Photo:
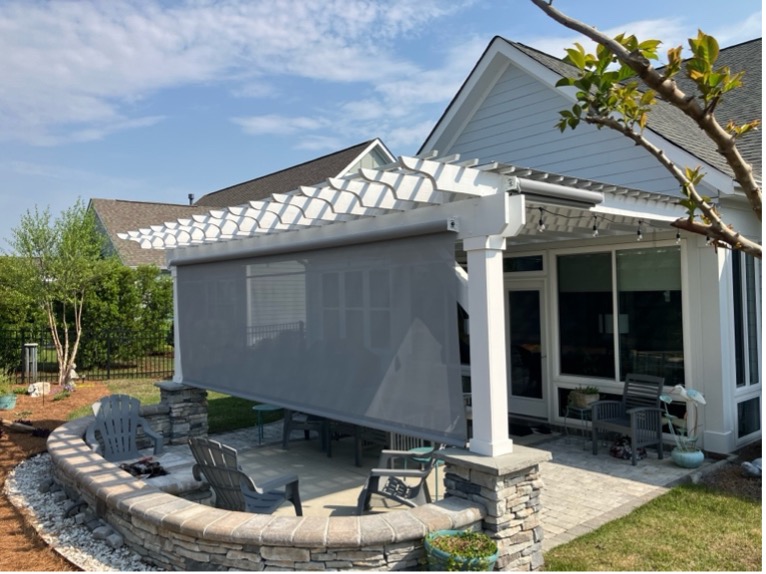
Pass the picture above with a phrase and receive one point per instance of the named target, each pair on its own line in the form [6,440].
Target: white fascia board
[468,99]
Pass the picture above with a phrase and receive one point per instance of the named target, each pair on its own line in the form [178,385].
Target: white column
[178,375]
[489,389]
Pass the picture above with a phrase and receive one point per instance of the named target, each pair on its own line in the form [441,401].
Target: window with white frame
[747,304]
[620,311]
[746,284]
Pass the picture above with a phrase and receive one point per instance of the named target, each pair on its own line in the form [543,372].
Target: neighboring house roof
[332,165]
[119,216]
[743,104]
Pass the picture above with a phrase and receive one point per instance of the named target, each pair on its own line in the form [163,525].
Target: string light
[597,219]
[708,240]
[678,238]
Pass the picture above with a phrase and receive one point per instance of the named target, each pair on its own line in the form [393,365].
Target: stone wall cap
[172,386]
[521,457]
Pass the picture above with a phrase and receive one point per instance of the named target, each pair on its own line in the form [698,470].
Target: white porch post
[489,390]
[178,375]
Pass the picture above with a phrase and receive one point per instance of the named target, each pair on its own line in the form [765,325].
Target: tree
[609,96]
[127,315]
[59,262]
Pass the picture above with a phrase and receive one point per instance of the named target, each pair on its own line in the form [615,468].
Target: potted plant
[583,397]
[7,396]
[685,430]
[460,551]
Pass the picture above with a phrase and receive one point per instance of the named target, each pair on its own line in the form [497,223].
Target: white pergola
[482,204]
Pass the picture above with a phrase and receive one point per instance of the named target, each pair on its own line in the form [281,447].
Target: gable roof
[118,215]
[335,164]
[665,120]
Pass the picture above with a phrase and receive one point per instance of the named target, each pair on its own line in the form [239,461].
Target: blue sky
[150,101]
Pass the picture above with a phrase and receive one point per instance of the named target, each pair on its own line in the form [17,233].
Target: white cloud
[672,31]
[749,28]
[278,125]
[79,69]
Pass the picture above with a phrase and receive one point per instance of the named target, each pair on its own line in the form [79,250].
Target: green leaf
[565,82]
[576,56]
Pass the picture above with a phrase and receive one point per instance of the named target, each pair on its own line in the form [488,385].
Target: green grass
[225,413]
[691,528]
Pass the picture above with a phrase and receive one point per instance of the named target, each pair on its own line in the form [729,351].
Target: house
[115,216]
[597,304]
[339,297]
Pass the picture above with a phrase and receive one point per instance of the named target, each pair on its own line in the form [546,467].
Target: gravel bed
[73,541]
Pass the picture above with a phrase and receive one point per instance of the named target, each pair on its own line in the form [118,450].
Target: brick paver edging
[178,534]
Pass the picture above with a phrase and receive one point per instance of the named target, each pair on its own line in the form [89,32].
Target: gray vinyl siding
[516,124]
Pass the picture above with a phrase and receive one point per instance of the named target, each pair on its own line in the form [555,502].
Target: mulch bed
[728,476]
[21,549]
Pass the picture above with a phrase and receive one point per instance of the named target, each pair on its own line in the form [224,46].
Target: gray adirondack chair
[389,480]
[235,490]
[637,415]
[114,432]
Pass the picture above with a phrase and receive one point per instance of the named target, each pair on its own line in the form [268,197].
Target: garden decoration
[684,430]
[460,551]
[754,468]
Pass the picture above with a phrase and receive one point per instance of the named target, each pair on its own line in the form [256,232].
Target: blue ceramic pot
[7,402]
[687,459]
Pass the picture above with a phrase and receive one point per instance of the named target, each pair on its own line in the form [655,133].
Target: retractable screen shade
[365,334]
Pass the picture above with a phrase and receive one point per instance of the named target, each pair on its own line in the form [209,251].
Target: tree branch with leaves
[617,87]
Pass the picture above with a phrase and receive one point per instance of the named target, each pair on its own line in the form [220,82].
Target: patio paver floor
[581,491]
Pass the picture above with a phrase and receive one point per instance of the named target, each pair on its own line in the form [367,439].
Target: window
[523,264]
[586,343]
[356,305]
[747,303]
[647,326]
[748,417]
[649,298]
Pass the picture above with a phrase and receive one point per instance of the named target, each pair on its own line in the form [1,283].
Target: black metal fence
[115,354]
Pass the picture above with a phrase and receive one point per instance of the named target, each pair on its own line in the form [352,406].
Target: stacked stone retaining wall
[179,534]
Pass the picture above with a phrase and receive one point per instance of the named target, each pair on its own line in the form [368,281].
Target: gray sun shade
[365,334]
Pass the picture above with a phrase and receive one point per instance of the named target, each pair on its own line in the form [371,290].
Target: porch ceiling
[412,183]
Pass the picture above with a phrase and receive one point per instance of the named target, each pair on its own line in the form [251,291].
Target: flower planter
[7,402]
[582,400]
[440,560]
[687,458]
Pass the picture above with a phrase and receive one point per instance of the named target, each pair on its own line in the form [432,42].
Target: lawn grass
[225,413]
[690,528]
